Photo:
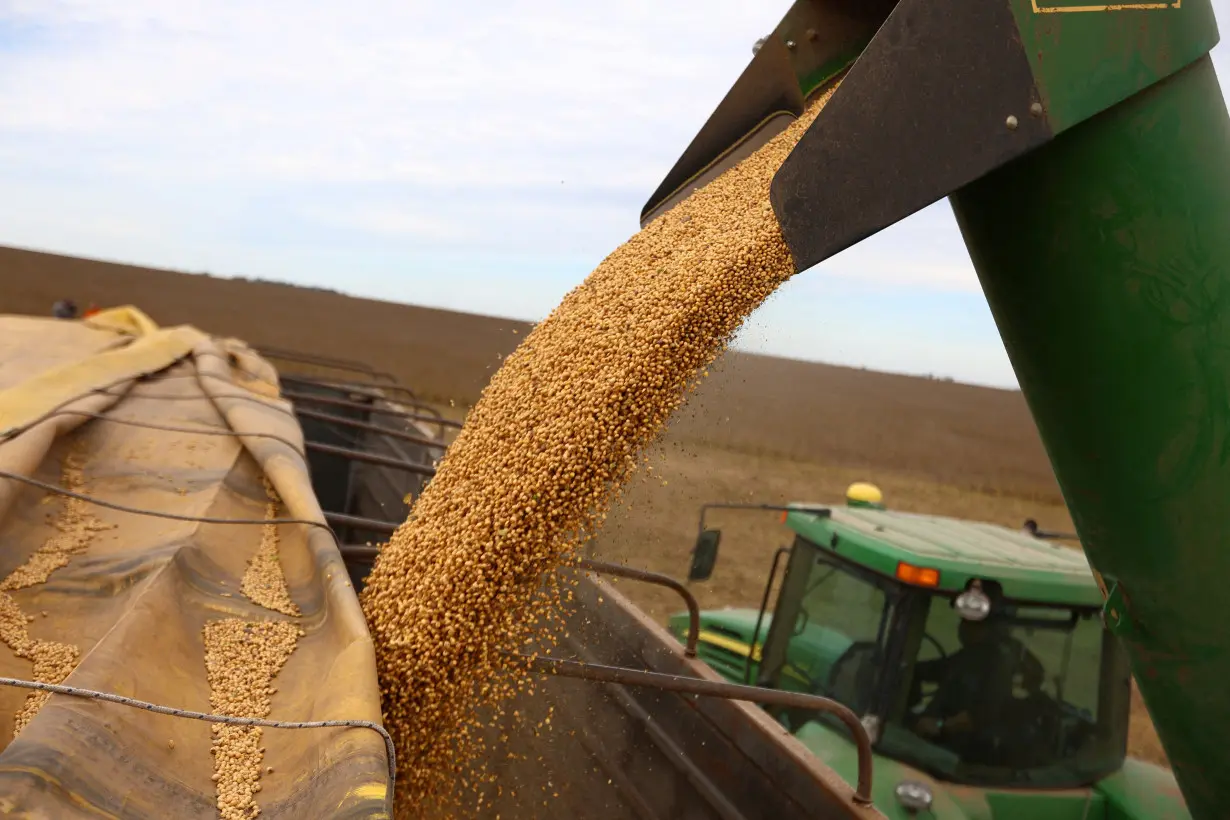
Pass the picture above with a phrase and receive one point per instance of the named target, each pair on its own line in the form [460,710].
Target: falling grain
[530,476]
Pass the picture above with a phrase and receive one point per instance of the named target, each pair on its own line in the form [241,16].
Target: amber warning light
[919,576]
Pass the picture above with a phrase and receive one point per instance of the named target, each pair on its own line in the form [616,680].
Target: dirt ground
[760,429]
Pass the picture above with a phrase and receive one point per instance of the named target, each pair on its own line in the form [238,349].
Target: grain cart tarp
[119,601]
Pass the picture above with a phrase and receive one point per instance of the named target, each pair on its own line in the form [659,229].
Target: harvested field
[759,428]
[957,435]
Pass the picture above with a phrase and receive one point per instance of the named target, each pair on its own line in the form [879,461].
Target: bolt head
[1011,122]
[1036,109]
[790,44]
[914,796]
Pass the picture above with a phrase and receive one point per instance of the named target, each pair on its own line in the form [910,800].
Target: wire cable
[171,428]
[104,390]
[91,694]
[199,519]
[203,397]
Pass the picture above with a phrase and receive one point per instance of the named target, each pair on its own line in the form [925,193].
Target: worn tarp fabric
[252,620]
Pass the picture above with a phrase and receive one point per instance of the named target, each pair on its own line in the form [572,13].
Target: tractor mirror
[704,555]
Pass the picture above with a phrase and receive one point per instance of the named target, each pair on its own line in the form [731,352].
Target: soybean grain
[530,476]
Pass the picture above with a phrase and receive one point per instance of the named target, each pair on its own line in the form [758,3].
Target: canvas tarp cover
[128,596]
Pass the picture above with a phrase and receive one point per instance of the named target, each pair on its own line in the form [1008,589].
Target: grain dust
[530,476]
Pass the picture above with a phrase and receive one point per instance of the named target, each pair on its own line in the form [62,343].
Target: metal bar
[370,458]
[359,522]
[719,689]
[366,553]
[363,553]
[367,390]
[375,428]
[348,383]
[764,604]
[704,508]
[660,580]
[371,408]
[322,361]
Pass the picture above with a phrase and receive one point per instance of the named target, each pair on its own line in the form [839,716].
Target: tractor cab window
[1033,694]
[835,645]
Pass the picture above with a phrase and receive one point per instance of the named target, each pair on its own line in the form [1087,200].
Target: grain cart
[175,513]
[974,654]
[642,727]
[1085,150]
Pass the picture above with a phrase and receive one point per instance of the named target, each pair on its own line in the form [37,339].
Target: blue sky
[481,157]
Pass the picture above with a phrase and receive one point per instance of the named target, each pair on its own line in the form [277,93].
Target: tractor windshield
[829,633]
[838,637]
[1033,695]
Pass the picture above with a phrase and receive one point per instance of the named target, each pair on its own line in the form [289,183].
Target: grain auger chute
[1086,152]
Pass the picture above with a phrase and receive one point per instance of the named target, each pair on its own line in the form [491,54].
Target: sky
[482,157]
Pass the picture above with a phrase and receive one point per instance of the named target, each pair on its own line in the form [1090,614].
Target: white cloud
[423,93]
[388,220]
[231,136]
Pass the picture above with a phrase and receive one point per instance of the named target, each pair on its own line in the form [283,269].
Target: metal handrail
[365,553]
[355,551]
[346,384]
[661,580]
[342,421]
[299,356]
[704,508]
[370,458]
[720,689]
[296,396]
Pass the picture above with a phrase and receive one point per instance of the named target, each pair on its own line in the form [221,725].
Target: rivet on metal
[1036,109]
[1011,122]
[790,44]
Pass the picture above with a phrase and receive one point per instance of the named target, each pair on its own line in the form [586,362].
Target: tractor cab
[975,656]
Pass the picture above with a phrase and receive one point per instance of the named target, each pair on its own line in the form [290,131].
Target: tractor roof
[1029,569]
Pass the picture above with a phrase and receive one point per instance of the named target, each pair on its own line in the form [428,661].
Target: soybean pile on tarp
[557,429]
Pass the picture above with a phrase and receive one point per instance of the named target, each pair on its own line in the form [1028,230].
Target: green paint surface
[1105,257]
[1085,61]
[1029,569]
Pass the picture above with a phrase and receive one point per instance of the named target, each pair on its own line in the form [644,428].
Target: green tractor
[975,655]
